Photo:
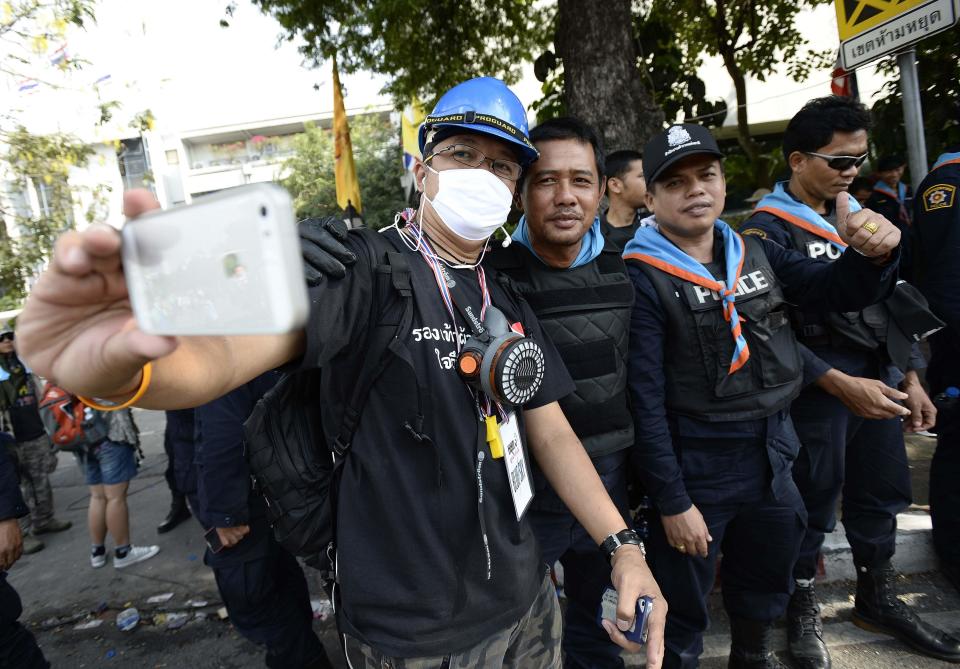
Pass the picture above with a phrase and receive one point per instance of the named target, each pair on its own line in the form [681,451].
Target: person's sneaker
[31,544]
[53,526]
[98,557]
[134,555]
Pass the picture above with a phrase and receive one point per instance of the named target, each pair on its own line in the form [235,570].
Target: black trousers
[864,459]
[944,371]
[269,603]
[18,647]
[586,573]
[757,530]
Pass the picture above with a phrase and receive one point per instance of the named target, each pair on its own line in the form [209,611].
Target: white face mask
[473,203]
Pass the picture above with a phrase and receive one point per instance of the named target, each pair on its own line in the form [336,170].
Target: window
[134,164]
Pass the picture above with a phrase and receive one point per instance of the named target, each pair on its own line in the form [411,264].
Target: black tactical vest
[861,329]
[586,313]
[699,345]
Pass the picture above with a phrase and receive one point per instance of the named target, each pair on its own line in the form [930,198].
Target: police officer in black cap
[713,368]
[937,244]
[848,423]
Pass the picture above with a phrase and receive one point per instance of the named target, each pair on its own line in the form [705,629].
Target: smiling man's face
[561,193]
[689,196]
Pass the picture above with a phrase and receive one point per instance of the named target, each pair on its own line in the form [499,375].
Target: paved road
[60,591]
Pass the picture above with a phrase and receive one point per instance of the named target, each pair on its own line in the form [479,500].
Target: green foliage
[28,28]
[376,154]
[757,35]
[41,163]
[753,38]
[424,46]
[672,65]
[668,66]
[938,69]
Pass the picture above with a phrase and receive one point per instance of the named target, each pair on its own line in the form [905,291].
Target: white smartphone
[228,264]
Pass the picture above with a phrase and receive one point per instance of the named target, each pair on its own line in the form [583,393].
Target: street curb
[914,554]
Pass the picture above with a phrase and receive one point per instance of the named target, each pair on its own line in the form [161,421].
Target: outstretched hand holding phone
[77,326]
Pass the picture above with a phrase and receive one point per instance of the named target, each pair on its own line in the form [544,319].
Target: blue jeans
[586,573]
[110,463]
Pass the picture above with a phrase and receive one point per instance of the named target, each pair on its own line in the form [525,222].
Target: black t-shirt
[620,236]
[411,558]
[18,397]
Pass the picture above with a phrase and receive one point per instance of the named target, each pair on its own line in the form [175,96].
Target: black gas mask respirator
[504,364]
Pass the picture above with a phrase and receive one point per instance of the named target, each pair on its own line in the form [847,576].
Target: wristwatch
[613,542]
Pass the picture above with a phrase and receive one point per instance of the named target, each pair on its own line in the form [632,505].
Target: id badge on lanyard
[514,459]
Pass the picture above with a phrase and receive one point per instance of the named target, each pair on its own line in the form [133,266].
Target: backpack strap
[379,339]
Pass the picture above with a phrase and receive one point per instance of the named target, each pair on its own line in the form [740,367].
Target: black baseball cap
[676,142]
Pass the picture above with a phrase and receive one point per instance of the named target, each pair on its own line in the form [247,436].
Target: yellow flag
[410,121]
[348,188]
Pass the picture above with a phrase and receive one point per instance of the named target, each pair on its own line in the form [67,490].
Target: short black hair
[569,127]
[890,162]
[813,126]
[860,183]
[619,162]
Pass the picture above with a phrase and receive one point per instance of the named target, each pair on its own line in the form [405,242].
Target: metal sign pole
[912,116]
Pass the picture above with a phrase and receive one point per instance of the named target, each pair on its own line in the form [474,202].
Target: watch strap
[614,541]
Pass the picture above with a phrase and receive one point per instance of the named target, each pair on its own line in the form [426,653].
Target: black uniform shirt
[411,559]
[11,501]
[848,284]
[620,236]
[936,215]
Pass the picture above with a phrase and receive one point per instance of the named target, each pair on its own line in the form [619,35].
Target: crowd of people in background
[707,397]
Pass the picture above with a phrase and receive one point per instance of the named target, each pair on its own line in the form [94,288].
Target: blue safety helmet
[484,105]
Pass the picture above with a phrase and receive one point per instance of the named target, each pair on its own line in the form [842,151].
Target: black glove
[322,245]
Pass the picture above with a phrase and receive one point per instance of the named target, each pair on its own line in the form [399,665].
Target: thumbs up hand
[867,231]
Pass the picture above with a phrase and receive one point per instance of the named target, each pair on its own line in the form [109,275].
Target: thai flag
[59,56]
[843,82]
[27,86]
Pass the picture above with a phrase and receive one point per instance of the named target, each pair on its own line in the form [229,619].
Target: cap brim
[678,157]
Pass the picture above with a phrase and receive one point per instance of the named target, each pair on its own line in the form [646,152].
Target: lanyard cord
[485,406]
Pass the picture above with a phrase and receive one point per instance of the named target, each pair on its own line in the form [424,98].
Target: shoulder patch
[939,196]
[756,232]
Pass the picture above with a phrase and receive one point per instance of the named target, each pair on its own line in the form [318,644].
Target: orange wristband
[141,391]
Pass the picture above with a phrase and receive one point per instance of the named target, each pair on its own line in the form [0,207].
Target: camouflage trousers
[35,459]
[533,642]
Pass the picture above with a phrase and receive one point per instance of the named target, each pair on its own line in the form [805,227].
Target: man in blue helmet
[436,561]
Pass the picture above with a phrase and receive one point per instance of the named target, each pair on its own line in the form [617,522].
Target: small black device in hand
[213,540]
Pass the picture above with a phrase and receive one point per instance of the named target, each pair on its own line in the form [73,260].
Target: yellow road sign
[856,16]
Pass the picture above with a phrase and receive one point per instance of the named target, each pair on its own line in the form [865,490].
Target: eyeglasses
[6,336]
[471,157]
[840,163]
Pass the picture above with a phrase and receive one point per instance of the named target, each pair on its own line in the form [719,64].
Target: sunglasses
[840,163]
[6,336]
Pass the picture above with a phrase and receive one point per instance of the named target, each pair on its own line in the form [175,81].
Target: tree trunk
[602,84]
[761,172]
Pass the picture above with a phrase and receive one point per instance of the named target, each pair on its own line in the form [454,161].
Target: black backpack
[293,467]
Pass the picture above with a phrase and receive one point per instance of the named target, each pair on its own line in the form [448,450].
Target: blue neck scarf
[944,158]
[900,195]
[651,247]
[590,246]
[783,205]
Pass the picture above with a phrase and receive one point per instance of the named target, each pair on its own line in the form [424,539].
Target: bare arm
[573,476]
